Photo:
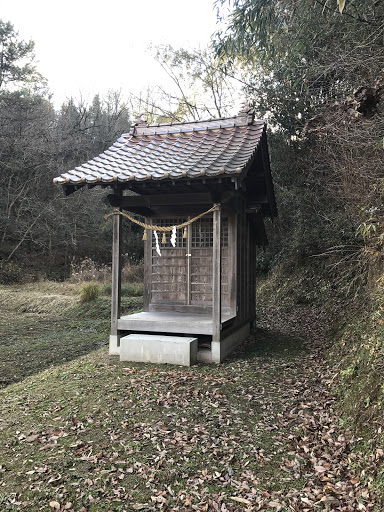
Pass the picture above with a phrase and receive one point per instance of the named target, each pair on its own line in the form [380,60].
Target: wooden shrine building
[199,288]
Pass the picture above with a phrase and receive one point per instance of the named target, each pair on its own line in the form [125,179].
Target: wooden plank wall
[216,274]
[169,276]
[147,267]
[252,272]
[201,276]
[245,271]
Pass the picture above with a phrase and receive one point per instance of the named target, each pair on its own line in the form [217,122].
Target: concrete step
[155,348]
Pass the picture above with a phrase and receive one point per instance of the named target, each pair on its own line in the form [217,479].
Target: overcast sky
[85,46]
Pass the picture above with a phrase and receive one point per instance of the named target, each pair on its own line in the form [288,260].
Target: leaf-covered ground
[258,432]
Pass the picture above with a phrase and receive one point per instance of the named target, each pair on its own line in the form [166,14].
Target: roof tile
[174,151]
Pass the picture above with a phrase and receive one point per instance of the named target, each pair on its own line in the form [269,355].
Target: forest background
[313,69]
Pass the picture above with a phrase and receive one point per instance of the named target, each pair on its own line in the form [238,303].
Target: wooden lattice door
[169,272]
[201,274]
[182,276]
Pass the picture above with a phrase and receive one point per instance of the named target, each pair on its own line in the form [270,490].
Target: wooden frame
[237,266]
[116,273]
[216,270]
[190,254]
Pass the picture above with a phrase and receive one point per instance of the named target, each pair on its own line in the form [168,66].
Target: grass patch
[359,350]
[45,325]
[274,344]
[127,289]
[31,343]
[89,291]
[39,298]
[101,307]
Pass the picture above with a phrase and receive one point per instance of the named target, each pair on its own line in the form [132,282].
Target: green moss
[359,348]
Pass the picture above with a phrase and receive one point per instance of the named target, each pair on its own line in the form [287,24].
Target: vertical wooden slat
[147,267]
[232,262]
[189,261]
[253,281]
[246,261]
[249,270]
[240,274]
[238,260]
[116,272]
[216,269]
[243,260]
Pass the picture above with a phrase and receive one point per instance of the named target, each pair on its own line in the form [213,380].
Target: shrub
[89,291]
[132,290]
[106,289]
[10,273]
[133,273]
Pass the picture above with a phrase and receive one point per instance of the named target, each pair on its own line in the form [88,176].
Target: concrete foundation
[221,349]
[114,345]
[152,348]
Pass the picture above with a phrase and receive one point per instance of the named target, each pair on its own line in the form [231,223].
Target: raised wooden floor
[169,322]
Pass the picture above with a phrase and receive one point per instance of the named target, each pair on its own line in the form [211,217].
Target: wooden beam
[116,273]
[258,227]
[268,177]
[127,202]
[169,211]
[216,282]
[141,210]
[215,192]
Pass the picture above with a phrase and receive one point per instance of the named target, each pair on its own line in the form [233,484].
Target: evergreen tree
[16,58]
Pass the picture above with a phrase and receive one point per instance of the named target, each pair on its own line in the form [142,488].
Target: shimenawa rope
[215,207]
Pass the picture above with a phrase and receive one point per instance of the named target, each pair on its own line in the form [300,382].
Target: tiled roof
[174,151]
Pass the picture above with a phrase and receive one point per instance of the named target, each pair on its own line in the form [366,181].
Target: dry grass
[89,291]
[44,297]
[44,324]
[50,297]
[87,271]
[133,273]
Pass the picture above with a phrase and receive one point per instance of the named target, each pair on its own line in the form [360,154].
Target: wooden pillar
[232,262]
[216,282]
[148,265]
[189,262]
[114,340]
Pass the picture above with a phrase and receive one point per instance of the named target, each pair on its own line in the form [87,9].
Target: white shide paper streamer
[173,236]
[157,242]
